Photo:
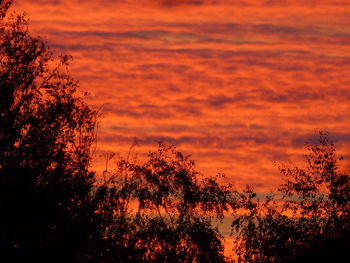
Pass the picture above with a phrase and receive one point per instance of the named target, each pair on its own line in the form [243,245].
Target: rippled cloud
[239,85]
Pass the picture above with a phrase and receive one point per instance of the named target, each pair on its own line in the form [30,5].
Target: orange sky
[239,85]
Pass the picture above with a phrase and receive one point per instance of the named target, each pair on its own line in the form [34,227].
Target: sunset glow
[238,85]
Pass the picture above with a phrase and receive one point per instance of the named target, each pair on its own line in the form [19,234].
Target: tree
[46,131]
[310,217]
[54,208]
[163,212]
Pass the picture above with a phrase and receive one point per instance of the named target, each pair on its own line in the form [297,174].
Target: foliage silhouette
[54,209]
[46,131]
[307,222]
[167,213]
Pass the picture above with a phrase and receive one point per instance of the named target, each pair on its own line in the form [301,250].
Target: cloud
[311,138]
[151,111]
[237,84]
[180,3]
[196,141]
[47,2]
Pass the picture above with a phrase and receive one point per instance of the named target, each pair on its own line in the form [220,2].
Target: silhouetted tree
[53,208]
[47,210]
[308,222]
[167,214]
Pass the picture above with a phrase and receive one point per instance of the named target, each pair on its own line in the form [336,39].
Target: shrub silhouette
[308,222]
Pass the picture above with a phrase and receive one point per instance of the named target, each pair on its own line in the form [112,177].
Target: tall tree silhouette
[308,222]
[54,209]
[47,211]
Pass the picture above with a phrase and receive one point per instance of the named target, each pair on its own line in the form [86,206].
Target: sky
[241,86]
